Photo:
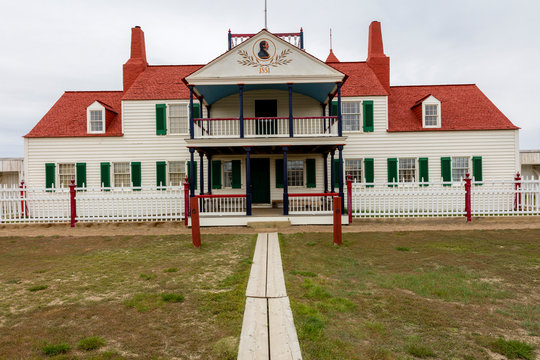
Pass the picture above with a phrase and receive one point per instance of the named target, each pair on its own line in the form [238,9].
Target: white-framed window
[121,174]
[178,119]
[177,172]
[295,172]
[460,167]
[406,169]
[95,117]
[66,172]
[351,115]
[353,167]
[431,111]
[227,174]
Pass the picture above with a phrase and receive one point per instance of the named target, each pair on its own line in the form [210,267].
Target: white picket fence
[40,205]
[432,199]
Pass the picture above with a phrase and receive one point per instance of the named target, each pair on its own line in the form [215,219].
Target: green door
[260,181]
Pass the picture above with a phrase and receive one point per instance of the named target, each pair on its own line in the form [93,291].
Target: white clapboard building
[268,121]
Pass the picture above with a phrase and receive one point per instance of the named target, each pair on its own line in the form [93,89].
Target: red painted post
[72,194]
[24,208]
[337,220]
[186,201]
[517,196]
[195,225]
[468,197]
[349,197]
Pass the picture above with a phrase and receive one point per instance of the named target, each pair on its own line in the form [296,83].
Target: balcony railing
[212,128]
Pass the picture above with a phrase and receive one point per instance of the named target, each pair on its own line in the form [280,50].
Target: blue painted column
[301,38]
[241,94]
[332,172]
[191,125]
[291,127]
[340,123]
[285,182]
[209,158]
[201,181]
[340,149]
[324,119]
[192,172]
[325,162]
[248,182]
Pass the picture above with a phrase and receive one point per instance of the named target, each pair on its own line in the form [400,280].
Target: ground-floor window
[227,174]
[177,173]
[407,169]
[121,174]
[353,167]
[295,172]
[66,172]
[460,167]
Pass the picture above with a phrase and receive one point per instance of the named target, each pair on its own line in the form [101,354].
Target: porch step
[269,224]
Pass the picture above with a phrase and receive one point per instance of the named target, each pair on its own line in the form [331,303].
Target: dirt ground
[358,225]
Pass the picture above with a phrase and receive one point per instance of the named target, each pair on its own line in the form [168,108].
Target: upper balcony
[264,127]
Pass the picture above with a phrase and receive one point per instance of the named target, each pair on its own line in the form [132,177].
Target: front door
[265,109]
[260,181]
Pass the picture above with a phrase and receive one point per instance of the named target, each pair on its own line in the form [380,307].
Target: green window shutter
[216,174]
[279,173]
[423,170]
[477,169]
[368,115]
[392,170]
[189,172]
[369,171]
[81,175]
[161,173]
[334,108]
[50,174]
[161,119]
[336,173]
[196,110]
[136,174]
[446,169]
[311,174]
[236,174]
[105,174]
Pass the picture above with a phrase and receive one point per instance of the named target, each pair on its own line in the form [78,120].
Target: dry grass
[450,295]
[62,290]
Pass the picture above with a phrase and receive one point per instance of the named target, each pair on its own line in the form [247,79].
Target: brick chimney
[377,61]
[137,62]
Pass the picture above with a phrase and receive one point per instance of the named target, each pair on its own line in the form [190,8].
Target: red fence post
[517,188]
[24,207]
[195,226]
[337,220]
[186,201]
[72,194]
[349,197]
[468,197]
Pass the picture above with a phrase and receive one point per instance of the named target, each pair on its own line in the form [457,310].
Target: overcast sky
[52,46]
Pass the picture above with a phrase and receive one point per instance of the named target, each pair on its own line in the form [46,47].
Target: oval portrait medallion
[264,49]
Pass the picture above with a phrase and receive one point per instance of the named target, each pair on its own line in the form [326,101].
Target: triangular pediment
[264,59]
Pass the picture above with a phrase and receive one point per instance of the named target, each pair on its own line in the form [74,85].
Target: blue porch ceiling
[213,93]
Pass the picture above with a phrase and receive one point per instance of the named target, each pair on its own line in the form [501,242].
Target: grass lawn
[409,295]
[122,297]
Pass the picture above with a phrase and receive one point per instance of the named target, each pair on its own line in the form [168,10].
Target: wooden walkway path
[268,330]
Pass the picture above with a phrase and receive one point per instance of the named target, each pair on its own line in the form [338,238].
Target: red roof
[362,80]
[331,57]
[161,82]
[463,107]
[67,118]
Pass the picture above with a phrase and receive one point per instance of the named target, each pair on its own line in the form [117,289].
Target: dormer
[428,110]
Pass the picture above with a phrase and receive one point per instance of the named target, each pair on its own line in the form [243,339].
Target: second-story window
[432,115]
[350,115]
[178,119]
[96,121]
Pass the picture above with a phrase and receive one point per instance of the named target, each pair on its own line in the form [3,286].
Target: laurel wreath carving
[249,60]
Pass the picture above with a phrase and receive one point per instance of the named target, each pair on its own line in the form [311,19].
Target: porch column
[340,124]
[191,172]
[340,149]
[324,118]
[201,172]
[248,182]
[241,94]
[285,182]
[208,123]
[191,127]
[325,162]
[291,127]
[209,158]
[332,172]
